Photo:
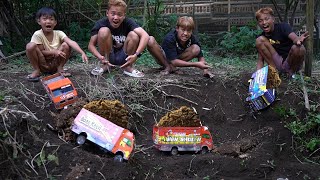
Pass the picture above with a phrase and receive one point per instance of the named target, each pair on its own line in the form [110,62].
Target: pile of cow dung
[273,80]
[113,111]
[182,117]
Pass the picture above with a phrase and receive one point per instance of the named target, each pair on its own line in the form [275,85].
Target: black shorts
[118,57]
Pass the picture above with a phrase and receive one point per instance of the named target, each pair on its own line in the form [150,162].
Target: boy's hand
[130,60]
[203,65]
[58,53]
[84,58]
[302,38]
[104,61]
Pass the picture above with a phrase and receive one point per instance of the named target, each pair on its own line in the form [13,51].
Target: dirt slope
[248,146]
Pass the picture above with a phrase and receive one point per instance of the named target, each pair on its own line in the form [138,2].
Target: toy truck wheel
[81,139]
[174,151]
[118,158]
[204,150]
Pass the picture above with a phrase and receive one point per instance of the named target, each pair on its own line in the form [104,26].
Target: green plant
[240,40]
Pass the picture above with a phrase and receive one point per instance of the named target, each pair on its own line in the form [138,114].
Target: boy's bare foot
[165,72]
[34,74]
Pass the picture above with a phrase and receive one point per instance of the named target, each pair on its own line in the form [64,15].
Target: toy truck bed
[176,139]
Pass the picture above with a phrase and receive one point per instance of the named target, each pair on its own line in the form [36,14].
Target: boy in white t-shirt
[49,49]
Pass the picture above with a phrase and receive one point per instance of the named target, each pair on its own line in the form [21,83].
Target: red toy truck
[177,139]
[104,133]
[60,90]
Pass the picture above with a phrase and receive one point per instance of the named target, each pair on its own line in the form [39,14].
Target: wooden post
[310,28]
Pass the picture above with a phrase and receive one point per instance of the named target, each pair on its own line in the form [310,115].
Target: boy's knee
[297,50]
[104,32]
[133,36]
[195,49]
[65,46]
[261,40]
[152,42]
[31,46]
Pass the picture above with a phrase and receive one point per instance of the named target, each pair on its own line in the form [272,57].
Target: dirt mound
[182,117]
[113,111]
[273,78]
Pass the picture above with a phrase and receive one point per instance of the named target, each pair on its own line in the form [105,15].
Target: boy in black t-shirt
[120,40]
[278,45]
[178,48]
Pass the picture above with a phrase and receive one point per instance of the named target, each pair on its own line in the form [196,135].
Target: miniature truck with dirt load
[115,139]
[181,130]
[60,90]
[175,139]
[262,86]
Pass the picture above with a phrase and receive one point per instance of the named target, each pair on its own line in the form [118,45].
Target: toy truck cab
[175,139]
[60,90]
[104,133]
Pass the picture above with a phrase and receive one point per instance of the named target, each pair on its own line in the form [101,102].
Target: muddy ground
[248,146]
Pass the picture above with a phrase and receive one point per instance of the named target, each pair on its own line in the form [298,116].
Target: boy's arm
[182,63]
[144,38]
[50,54]
[76,47]
[92,48]
[298,40]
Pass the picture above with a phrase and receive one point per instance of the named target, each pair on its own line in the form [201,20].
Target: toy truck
[60,90]
[175,139]
[113,138]
[259,96]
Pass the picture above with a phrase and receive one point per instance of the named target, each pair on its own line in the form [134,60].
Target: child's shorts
[49,65]
[118,57]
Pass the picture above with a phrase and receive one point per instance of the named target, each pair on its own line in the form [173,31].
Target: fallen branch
[305,93]
[13,55]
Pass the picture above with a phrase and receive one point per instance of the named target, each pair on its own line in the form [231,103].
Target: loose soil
[248,145]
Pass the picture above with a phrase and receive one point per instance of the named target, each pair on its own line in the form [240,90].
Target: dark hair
[46,11]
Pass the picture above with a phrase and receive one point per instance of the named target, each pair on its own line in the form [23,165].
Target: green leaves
[240,40]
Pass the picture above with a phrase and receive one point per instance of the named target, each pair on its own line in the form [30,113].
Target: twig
[32,167]
[298,159]
[183,87]
[177,96]
[14,55]
[17,111]
[29,111]
[102,175]
[143,149]
[314,152]
[305,93]
[190,165]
